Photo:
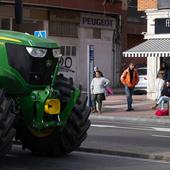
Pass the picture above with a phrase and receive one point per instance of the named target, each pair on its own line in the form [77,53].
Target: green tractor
[38,106]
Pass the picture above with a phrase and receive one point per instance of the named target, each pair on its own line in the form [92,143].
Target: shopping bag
[162,112]
[109,91]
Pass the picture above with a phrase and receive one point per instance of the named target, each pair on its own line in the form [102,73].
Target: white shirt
[159,87]
[98,85]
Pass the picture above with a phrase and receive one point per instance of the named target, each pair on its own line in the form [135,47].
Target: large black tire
[60,142]
[7,117]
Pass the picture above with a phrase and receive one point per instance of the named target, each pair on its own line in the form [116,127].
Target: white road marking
[124,105]
[132,128]
[161,136]
[103,126]
[119,127]
[161,129]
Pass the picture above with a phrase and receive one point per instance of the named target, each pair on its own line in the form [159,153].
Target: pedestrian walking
[129,79]
[165,96]
[98,86]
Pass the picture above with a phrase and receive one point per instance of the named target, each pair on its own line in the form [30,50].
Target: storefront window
[166,60]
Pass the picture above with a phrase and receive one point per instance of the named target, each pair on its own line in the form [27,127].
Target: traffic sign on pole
[90,67]
[40,34]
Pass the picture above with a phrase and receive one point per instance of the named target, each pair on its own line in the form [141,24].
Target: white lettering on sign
[97,21]
[167,22]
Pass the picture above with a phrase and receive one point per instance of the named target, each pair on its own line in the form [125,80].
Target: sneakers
[155,106]
[96,111]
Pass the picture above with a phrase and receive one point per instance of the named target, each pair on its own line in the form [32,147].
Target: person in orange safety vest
[130,79]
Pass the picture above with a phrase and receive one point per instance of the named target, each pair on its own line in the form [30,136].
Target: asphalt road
[22,160]
[129,137]
[103,135]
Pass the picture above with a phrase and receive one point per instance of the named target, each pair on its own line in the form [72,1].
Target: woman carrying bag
[98,86]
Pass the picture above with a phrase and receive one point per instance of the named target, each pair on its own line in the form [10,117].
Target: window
[73,52]
[63,29]
[68,50]
[5,24]
[97,33]
[63,50]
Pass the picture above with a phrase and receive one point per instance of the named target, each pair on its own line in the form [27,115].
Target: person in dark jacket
[165,95]
[164,71]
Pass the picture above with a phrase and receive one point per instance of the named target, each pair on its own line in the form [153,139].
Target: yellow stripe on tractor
[9,39]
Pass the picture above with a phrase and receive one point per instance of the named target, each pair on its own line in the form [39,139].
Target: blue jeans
[162,100]
[129,93]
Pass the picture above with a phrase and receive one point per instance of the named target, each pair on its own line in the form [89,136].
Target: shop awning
[150,48]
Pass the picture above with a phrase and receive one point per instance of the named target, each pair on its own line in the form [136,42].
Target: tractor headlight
[36,52]
[56,53]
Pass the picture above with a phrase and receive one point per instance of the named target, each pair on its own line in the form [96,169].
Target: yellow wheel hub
[52,106]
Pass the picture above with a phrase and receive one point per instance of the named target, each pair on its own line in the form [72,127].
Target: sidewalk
[114,108]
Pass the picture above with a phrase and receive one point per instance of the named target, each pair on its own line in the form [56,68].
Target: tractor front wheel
[60,142]
[7,117]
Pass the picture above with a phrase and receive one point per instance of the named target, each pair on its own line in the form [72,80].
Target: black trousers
[98,98]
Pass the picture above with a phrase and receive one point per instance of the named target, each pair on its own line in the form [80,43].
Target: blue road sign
[91,52]
[41,34]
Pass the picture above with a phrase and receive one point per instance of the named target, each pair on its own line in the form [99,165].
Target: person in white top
[159,86]
[98,86]
[160,82]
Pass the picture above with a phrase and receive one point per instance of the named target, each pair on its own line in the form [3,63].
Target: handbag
[162,112]
[109,90]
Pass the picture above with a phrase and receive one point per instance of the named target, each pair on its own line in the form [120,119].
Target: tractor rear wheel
[60,142]
[7,117]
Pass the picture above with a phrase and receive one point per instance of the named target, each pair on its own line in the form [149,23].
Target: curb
[130,119]
[158,157]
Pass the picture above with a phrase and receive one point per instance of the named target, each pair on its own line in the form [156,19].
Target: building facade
[136,25]
[75,25]
[156,48]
